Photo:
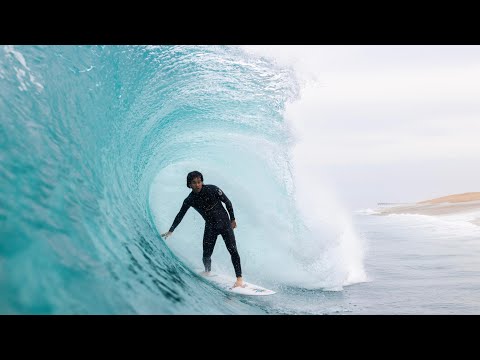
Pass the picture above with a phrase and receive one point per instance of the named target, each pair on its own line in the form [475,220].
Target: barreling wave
[96,142]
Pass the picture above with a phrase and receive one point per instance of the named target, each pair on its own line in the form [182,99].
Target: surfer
[206,199]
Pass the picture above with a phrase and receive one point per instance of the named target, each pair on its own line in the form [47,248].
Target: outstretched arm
[178,218]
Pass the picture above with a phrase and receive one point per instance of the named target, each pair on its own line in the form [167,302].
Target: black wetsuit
[208,203]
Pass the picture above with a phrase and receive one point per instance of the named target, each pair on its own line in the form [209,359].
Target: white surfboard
[226,283]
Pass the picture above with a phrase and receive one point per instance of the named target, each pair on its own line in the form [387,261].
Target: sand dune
[470,196]
[446,205]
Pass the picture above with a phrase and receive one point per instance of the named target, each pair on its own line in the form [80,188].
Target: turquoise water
[95,145]
[84,132]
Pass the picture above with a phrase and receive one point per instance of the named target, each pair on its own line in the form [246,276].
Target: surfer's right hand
[167,234]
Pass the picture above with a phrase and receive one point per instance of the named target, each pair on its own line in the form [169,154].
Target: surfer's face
[196,184]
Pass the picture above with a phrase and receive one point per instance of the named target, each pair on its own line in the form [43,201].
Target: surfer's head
[195,181]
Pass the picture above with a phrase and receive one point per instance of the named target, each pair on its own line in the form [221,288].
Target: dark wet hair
[192,175]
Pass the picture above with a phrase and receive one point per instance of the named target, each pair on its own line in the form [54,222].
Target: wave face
[96,142]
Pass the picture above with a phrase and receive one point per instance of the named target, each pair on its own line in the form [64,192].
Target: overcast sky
[386,123]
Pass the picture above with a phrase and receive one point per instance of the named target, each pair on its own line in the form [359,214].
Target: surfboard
[226,283]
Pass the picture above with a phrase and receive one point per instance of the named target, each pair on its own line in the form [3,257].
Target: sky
[385,123]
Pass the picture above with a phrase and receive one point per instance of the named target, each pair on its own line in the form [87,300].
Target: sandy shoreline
[446,205]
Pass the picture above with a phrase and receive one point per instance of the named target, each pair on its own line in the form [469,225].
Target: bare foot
[239,282]
[205,273]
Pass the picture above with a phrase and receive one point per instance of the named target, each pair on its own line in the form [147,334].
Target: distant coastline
[445,205]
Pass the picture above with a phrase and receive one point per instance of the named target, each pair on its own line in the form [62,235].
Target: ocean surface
[418,264]
[95,145]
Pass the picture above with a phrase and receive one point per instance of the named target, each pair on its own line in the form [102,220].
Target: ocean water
[95,145]
[419,264]
[415,265]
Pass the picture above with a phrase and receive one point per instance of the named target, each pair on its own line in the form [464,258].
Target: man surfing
[206,199]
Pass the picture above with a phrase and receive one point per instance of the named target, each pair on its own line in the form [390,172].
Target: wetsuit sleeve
[221,195]
[180,215]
